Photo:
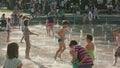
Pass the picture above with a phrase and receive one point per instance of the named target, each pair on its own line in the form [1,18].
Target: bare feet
[114,64]
[27,58]
[8,41]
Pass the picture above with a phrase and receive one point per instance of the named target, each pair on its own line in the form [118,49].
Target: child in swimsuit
[116,42]
[61,34]
[50,23]
[26,33]
[22,27]
[8,29]
[90,46]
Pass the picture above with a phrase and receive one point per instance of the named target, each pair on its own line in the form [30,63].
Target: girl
[116,42]
[12,60]
[26,33]
[50,23]
[90,46]
[8,29]
[22,27]
[20,20]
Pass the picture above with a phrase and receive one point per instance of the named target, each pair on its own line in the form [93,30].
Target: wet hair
[26,22]
[115,30]
[23,17]
[8,19]
[65,23]
[89,37]
[73,43]
[20,16]
[12,50]
[3,14]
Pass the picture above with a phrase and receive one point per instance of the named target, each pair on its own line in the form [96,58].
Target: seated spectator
[117,8]
[109,8]
[3,17]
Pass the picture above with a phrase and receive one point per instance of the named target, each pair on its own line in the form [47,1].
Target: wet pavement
[43,47]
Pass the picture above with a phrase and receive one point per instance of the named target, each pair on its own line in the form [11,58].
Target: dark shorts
[22,30]
[59,40]
[8,30]
[117,53]
[85,66]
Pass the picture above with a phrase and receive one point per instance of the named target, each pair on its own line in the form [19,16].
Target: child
[22,27]
[90,17]
[73,53]
[8,29]
[84,20]
[90,46]
[26,33]
[81,58]
[50,22]
[12,60]
[61,42]
[20,20]
[117,42]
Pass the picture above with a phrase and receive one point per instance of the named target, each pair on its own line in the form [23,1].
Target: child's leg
[58,51]
[27,50]
[115,61]
[22,39]
[47,30]
[51,28]
[8,37]
[63,48]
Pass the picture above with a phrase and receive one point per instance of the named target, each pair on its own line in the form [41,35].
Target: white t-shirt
[90,16]
[8,26]
[12,63]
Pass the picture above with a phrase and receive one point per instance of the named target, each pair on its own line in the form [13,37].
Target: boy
[80,57]
[61,42]
[90,46]
[116,42]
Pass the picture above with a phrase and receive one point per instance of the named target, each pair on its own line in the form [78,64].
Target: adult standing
[95,13]
[90,17]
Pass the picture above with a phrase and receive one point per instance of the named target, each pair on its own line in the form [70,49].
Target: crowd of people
[82,57]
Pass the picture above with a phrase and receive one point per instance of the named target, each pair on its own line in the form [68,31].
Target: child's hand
[37,34]
[79,63]
[71,61]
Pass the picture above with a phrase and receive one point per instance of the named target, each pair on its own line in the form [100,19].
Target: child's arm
[82,60]
[31,33]
[67,31]
[20,66]
[92,46]
[46,22]
[115,43]
[74,56]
